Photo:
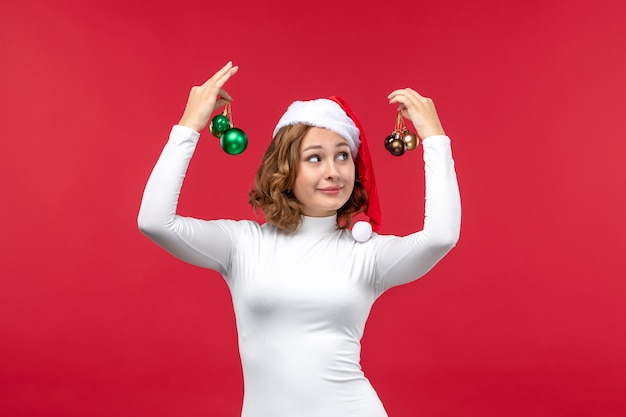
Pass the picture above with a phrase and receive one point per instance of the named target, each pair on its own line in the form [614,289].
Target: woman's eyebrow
[312,147]
[340,144]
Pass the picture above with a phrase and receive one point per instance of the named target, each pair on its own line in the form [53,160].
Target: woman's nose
[331,170]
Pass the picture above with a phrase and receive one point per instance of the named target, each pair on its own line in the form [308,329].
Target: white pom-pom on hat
[362,231]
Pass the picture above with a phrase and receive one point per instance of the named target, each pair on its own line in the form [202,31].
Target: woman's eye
[343,156]
[313,158]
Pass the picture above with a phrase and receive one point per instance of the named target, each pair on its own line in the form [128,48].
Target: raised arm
[404,259]
[199,242]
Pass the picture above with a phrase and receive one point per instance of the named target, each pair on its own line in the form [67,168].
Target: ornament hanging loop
[228,112]
[400,126]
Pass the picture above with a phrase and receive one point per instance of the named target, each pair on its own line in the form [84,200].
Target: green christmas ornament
[219,124]
[233,141]
[214,132]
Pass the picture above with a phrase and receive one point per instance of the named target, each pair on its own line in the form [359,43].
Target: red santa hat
[334,114]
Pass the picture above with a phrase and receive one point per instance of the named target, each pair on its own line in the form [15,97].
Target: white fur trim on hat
[322,113]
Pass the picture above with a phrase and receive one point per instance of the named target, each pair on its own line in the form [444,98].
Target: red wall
[526,317]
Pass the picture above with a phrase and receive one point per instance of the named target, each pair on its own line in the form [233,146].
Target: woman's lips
[330,190]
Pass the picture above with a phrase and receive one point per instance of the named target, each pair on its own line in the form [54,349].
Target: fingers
[206,98]
[409,101]
[219,103]
[221,76]
[419,109]
[407,96]
[222,98]
[224,94]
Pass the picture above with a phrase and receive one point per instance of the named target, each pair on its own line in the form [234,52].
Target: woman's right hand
[206,98]
[419,110]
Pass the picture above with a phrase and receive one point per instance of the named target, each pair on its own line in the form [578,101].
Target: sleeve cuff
[184,133]
[435,140]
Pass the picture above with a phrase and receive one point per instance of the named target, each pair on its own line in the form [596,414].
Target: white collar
[318,225]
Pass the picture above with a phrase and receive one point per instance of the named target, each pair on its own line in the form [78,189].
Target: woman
[302,286]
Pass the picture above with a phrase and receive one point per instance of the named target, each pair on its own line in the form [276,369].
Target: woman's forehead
[319,137]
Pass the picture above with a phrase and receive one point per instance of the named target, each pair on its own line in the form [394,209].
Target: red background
[526,317]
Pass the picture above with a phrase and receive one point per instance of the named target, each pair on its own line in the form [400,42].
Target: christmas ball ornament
[219,124]
[396,147]
[234,141]
[401,139]
[388,140]
[362,231]
[394,144]
[410,139]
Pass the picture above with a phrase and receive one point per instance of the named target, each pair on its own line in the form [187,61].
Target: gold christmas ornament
[410,139]
[401,139]
[394,144]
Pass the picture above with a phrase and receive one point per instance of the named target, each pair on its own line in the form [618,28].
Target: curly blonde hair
[276,177]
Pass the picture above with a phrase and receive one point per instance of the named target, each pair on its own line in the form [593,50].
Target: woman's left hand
[419,110]
[206,98]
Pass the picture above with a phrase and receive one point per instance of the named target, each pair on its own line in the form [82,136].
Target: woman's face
[325,177]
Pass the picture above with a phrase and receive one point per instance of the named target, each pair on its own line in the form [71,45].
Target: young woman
[302,286]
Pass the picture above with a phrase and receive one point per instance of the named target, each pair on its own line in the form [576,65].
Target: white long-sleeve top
[301,299]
